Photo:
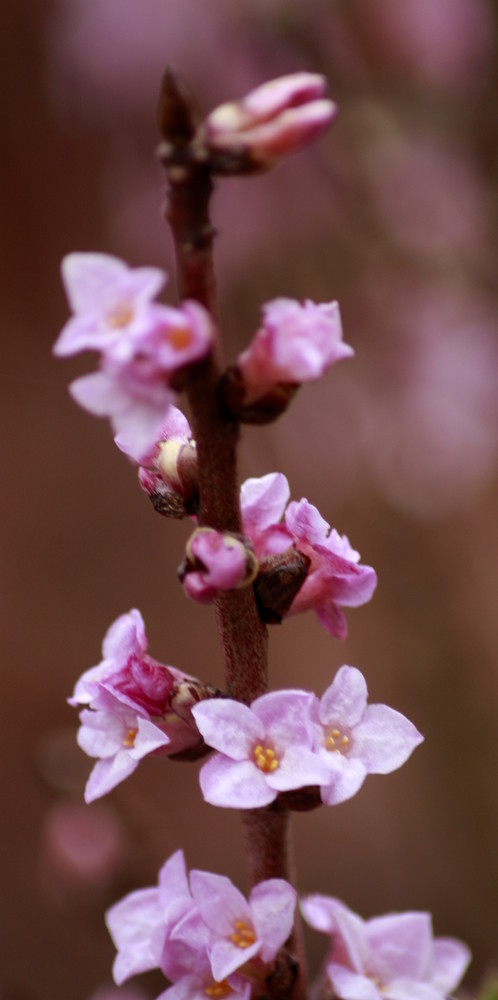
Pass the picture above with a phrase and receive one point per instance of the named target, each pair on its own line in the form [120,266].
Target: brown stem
[243,634]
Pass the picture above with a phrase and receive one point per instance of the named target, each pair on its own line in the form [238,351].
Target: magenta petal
[384,739]
[272,906]
[345,700]
[306,523]
[125,636]
[263,501]
[228,726]
[234,784]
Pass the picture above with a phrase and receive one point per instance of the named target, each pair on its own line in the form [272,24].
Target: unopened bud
[214,561]
[177,465]
[277,118]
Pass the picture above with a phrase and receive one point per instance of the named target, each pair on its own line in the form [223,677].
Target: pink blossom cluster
[272,524]
[296,343]
[393,957]
[288,740]
[134,706]
[144,346]
[335,578]
[207,939]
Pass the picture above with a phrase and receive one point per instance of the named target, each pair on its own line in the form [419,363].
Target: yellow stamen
[243,935]
[121,317]
[265,758]
[335,742]
[129,740]
[179,337]
[218,989]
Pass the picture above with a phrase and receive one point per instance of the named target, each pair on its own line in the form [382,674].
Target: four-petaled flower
[393,957]
[145,347]
[130,709]
[296,343]
[262,750]
[200,931]
[335,578]
[358,739]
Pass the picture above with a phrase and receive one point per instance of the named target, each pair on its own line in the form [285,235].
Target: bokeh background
[394,214]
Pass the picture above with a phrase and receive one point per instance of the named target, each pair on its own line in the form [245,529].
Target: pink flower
[141,923]
[135,402]
[335,577]
[241,930]
[216,561]
[200,934]
[358,739]
[114,314]
[296,343]
[262,750]
[276,118]
[394,957]
[120,737]
[112,305]
[145,347]
[135,706]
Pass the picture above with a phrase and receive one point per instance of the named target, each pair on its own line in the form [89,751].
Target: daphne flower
[145,347]
[134,706]
[394,957]
[216,560]
[114,314]
[296,343]
[111,303]
[335,577]
[358,739]
[241,930]
[262,750]
[201,931]
[140,924]
[120,738]
[276,118]
[135,401]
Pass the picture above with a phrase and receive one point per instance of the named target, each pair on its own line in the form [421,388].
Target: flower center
[218,989]
[243,935]
[129,740]
[179,337]
[121,317]
[336,741]
[265,758]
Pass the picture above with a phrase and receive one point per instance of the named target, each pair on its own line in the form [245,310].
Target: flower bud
[297,342]
[277,118]
[214,561]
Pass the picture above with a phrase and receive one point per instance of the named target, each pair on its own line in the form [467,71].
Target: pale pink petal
[272,907]
[108,773]
[228,726]
[263,502]
[384,739]
[345,700]
[234,784]
[450,960]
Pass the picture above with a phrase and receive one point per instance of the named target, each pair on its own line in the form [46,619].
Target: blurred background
[394,214]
